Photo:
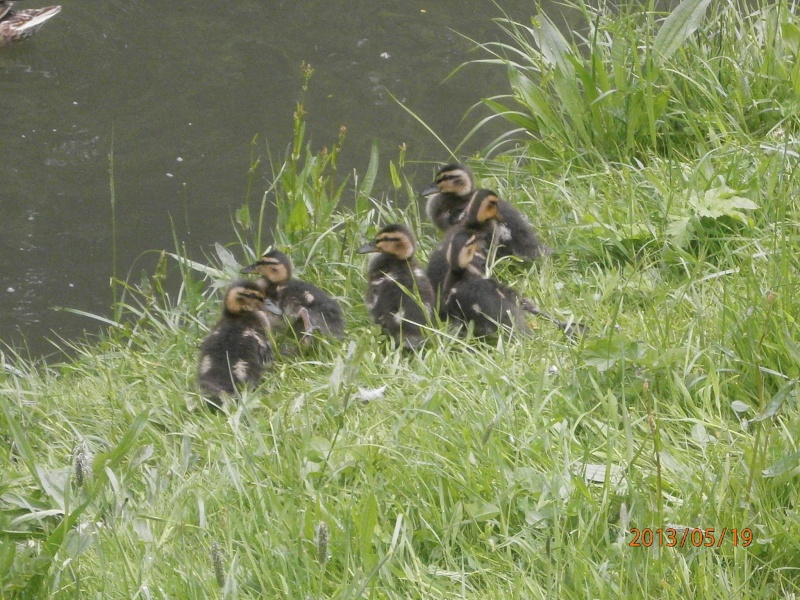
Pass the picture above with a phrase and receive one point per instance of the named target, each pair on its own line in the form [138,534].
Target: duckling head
[395,240]
[451,179]
[273,265]
[462,249]
[484,206]
[244,296]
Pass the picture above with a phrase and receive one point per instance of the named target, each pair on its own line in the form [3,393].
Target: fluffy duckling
[466,244]
[470,297]
[479,217]
[237,349]
[450,193]
[395,280]
[16,25]
[308,307]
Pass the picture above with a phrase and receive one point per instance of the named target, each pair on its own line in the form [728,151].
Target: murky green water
[181,88]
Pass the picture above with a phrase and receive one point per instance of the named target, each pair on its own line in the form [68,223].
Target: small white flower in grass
[368,395]
[552,370]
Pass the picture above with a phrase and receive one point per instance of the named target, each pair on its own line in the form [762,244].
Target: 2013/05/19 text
[671,537]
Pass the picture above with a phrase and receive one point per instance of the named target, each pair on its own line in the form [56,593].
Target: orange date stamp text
[689,536]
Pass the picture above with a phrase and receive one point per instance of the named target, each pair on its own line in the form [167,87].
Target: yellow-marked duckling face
[244,296]
[394,240]
[274,266]
[462,249]
[483,207]
[451,179]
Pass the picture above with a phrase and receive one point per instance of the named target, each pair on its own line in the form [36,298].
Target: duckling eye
[387,239]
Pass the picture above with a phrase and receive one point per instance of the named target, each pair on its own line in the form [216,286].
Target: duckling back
[307,307]
[312,308]
[515,236]
[237,349]
[469,297]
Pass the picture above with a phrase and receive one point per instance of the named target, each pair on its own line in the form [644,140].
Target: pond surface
[179,89]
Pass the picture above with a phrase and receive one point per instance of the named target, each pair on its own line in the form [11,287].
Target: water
[180,89]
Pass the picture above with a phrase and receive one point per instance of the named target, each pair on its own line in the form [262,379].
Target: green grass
[511,470]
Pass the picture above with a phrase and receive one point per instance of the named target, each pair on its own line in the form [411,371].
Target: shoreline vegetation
[658,154]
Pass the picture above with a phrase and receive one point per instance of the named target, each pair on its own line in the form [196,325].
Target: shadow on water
[183,91]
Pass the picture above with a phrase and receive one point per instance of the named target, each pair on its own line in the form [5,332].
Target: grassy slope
[467,476]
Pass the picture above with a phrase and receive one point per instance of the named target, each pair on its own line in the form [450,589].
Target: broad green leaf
[678,231]
[552,44]
[372,172]
[679,25]
[790,34]
[777,402]
[788,464]
[721,201]
[530,95]
[396,183]
[243,216]
[229,262]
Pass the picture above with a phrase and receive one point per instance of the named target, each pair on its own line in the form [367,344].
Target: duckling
[450,193]
[237,349]
[394,282]
[468,275]
[479,217]
[470,297]
[309,307]
[16,25]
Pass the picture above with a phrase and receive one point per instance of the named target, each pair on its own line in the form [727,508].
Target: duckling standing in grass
[395,281]
[16,25]
[308,307]
[479,217]
[450,193]
[469,297]
[237,349]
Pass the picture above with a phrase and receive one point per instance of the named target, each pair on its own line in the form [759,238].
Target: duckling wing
[516,237]
[437,271]
[390,305]
[445,210]
[485,303]
[323,311]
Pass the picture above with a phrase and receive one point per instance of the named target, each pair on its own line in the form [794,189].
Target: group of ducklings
[401,297]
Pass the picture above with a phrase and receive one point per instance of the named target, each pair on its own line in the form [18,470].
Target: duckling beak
[249,269]
[270,306]
[430,190]
[367,248]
